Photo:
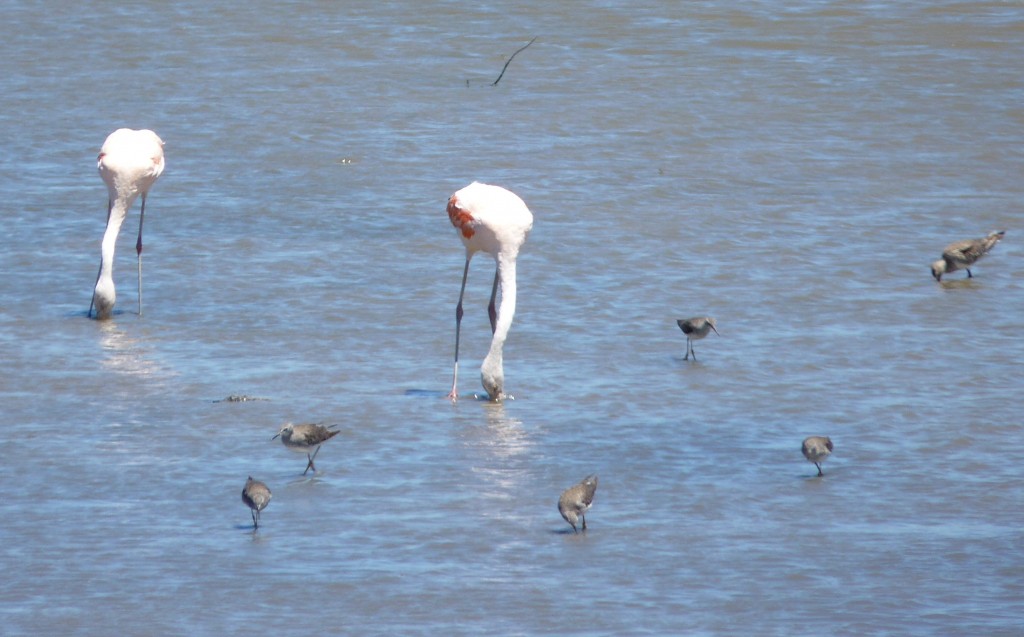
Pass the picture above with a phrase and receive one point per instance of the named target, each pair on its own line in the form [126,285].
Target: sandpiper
[302,438]
[817,449]
[963,254]
[576,500]
[695,329]
[256,496]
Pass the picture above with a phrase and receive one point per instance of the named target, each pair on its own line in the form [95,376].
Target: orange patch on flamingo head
[460,218]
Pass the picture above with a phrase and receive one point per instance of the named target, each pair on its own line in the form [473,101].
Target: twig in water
[504,68]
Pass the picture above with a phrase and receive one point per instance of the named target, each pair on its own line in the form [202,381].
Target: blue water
[790,170]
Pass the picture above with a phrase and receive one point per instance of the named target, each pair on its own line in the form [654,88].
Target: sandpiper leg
[969,275]
[687,357]
[311,458]
[820,472]
[255,520]
[584,518]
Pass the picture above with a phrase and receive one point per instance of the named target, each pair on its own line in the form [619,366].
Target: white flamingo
[129,162]
[496,221]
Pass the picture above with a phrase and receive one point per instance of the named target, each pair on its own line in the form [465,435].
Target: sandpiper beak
[275,435]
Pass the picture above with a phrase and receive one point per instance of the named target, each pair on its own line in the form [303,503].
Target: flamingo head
[492,376]
[103,298]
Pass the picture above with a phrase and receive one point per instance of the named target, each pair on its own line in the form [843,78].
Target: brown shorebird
[576,500]
[963,254]
[695,329]
[817,449]
[256,496]
[302,438]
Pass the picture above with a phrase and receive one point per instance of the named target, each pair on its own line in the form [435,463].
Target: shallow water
[791,171]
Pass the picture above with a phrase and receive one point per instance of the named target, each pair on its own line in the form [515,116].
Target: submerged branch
[504,68]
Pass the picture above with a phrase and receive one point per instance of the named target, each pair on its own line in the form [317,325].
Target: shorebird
[817,449]
[256,496]
[963,254]
[496,221]
[302,438]
[129,162]
[695,329]
[576,500]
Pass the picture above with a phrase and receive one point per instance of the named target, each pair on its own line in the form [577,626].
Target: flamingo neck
[492,373]
[105,295]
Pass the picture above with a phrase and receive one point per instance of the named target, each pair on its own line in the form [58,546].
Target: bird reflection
[501,460]
[125,354]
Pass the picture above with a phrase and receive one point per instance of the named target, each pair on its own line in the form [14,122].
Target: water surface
[790,170]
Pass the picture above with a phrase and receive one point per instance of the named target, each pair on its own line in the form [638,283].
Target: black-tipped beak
[275,435]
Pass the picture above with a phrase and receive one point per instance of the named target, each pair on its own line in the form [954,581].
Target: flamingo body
[494,220]
[129,163]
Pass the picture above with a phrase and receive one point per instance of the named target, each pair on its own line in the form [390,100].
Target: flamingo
[496,221]
[129,162]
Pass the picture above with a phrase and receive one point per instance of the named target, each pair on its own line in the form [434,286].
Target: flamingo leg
[491,312]
[453,395]
[138,249]
[92,300]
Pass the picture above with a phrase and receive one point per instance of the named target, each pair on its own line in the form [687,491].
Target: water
[788,168]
